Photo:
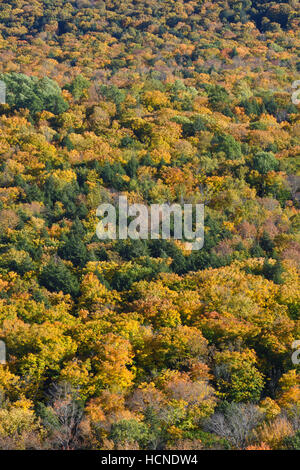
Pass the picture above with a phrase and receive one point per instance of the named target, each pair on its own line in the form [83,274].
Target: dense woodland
[143,344]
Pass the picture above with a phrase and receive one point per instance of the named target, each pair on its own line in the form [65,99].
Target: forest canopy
[144,344]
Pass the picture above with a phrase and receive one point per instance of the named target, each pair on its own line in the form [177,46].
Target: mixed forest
[142,344]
